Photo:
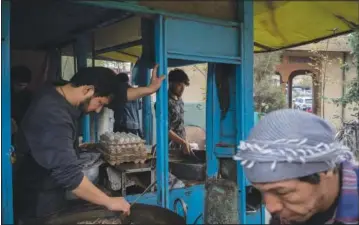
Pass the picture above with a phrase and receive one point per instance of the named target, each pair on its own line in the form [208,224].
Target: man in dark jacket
[48,141]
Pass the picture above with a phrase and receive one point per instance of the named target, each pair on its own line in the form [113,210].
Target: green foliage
[268,96]
[354,44]
[265,63]
[351,96]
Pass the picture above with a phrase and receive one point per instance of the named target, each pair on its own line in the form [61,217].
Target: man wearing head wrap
[304,175]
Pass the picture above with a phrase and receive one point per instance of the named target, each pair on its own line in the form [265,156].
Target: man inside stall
[127,117]
[178,80]
[20,94]
[22,89]
[47,144]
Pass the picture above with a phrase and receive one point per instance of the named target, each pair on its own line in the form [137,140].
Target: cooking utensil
[189,167]
[144,192]
[122,215]
[188,170]
[194,155]
[197,156]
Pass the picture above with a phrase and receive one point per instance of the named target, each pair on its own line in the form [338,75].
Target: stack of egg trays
[129,148]
[118,148]
[116,154]
[119,159]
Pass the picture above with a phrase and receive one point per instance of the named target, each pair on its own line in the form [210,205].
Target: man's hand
[140,92]
[155,80]
[118,204]
[186,148]
[89,192]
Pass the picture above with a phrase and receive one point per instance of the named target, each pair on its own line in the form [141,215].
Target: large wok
[189,167]
[140,214]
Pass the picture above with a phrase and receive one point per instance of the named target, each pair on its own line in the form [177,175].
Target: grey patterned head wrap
[288,144]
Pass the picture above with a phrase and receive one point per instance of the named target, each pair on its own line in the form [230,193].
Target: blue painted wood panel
[202,41]
[244,95]
[162,166]
[212,122]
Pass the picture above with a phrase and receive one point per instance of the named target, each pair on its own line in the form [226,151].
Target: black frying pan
[149,214]
[140,214]
[198,156]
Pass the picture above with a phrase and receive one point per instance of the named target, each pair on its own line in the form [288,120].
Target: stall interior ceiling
[277,24]
[41,25]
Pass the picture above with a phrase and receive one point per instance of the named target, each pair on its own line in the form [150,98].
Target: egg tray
[124,151]
[118,142]
[110,145]
[116,159]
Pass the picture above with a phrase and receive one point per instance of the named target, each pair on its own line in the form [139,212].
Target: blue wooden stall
[177,40]
[201,37]
[183,35]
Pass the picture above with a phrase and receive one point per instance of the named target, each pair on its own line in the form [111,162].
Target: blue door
[6,167]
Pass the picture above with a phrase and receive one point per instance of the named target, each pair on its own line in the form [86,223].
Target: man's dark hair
[178,76]
[103,79]
[123,77]
[21,74]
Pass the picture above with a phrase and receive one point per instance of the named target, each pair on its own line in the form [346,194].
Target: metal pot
[92,172]
[190,167]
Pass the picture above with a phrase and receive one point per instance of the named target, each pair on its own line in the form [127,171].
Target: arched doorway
[303,86]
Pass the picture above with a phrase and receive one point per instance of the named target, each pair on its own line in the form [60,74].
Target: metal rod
[144,192]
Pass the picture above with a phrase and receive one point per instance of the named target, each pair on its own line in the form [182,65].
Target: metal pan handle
[184,206]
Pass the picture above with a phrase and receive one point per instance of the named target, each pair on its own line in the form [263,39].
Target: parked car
[310,110]
[303,103]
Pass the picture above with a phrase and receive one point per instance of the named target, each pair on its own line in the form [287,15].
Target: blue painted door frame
[244,87]
[161,116]
[212,122]
[6,166]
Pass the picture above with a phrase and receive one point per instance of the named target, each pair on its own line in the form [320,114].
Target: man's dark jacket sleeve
[52,146]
